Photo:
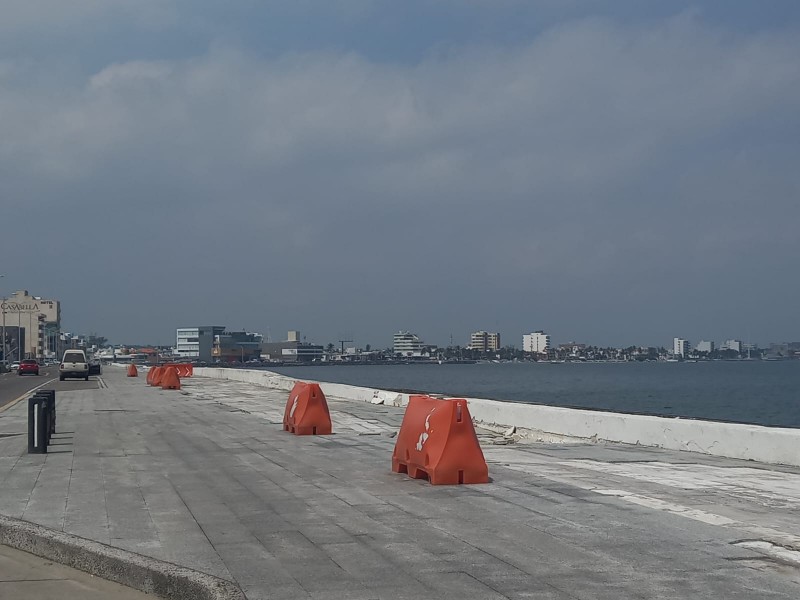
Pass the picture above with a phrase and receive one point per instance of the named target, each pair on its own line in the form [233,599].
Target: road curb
[30,392]
[142,573]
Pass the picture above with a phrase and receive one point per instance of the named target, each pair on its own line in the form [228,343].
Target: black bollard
[38,426]
[51,404]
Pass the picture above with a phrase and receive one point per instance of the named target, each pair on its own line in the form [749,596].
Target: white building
[680,347]
[538,342]
[406,344]
[483,341]
[196,343]
[704,346]
[735,345]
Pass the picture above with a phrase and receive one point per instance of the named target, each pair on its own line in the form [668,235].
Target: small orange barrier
[132,372]
[150,373]
[170,379]
[306,411]
[437,440]
[298,386]
[158,373]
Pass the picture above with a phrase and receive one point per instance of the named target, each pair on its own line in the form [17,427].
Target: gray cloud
[609,183]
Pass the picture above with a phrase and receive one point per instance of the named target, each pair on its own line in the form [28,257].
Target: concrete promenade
[205,478]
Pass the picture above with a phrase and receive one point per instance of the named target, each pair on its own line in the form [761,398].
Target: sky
[612,172]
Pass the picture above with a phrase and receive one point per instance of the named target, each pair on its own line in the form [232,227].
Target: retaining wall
[750,442]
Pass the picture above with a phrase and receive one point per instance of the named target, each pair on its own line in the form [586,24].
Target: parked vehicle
[14,366]
[74,364]
[29,366]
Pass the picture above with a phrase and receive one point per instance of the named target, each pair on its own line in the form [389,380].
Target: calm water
[765,393]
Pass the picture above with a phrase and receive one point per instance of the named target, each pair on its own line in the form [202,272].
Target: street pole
[3,309]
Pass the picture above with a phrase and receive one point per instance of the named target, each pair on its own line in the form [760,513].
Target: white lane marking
[671,507]
[766,487]
[25,395]
[771,550]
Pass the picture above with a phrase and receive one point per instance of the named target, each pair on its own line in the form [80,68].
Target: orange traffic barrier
[132,372]
[306,411]
[150,373]
[184,369]
[158,373]
[437,440]
[298,386]
[170,379]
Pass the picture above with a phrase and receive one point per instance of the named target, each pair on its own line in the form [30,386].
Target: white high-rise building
[680,347]
[196,343]
[538,342]
[406,344]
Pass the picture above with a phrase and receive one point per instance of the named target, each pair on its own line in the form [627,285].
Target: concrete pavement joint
[139,572]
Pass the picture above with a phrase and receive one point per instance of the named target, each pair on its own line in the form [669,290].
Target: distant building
[483,341]
[778,351]
[406,344]
[38,323]
[237,346]
[704,346]
[734,345]
[292,350]
[538,342]
[197,343]
[680,347]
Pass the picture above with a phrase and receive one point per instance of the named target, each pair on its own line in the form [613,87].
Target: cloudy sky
[614,172]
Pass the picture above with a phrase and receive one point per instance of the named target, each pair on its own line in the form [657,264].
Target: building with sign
[38,326]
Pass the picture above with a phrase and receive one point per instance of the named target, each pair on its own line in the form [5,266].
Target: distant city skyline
[616,172]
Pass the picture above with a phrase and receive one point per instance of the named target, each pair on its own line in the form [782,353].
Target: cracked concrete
[207,479]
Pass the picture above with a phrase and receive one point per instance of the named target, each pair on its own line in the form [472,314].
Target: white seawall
[749,442]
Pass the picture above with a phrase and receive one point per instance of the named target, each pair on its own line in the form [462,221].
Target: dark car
[94,368]
[28,367]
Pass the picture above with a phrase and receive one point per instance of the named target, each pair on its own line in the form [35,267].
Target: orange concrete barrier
[170,379]
[150,374]
[184,369]
[437,440]
[306,411]
[296,389]
[158,373]
[132,372]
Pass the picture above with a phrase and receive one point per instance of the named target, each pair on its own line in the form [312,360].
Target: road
[13,386]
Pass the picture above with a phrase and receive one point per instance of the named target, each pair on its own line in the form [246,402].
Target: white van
[74,364]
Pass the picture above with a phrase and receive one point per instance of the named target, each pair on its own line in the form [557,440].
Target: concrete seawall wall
[749,442]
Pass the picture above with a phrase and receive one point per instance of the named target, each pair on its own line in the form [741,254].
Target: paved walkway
[205,478]
[28,577]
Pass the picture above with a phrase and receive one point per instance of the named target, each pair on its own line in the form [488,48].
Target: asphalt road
[13,386]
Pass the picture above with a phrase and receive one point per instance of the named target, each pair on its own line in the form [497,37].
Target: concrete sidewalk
[24,575]
[206,478]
